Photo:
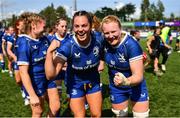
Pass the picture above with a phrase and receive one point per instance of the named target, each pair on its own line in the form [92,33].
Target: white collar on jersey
[30,37]
[75,39]
[59,38]
[125,36]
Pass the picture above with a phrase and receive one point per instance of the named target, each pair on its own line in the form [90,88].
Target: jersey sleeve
[64,51]
[10,40]
[134,50]
[23,52]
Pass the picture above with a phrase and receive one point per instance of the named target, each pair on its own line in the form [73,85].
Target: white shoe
[6,70]
[26,101]
[101,84]
[23,94]
[3,71]
[10,73]
[178,51]
[163,67]
[169,52]
[86,106]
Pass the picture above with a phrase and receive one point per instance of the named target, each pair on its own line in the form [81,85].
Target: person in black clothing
[153,45]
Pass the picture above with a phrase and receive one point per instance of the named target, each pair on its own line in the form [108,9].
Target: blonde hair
[109,19]
[30,18]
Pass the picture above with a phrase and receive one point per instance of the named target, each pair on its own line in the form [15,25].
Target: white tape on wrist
[125,82]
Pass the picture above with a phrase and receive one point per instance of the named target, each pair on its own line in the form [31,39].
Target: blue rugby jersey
[32,52]
[118,58]
[82,61]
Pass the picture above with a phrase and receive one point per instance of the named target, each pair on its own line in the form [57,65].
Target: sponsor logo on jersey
[35,47]
[77,55]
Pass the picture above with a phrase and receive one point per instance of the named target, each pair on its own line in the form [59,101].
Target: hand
[120,79]
[53,46]
[34,101]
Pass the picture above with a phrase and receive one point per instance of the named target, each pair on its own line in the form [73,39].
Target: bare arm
[53,65]
[3,47]
[27,84]
[10,53]
[150,39]
[135,78]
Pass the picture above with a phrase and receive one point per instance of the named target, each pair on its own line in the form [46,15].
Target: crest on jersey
[96,51]
[77,55]
[88,62]
[112,62]
[121,58]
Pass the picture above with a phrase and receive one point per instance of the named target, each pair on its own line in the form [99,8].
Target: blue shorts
[137,93]
[82,90]
[51,84]
[40,86]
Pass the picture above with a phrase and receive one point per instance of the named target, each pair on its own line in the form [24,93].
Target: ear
[33,25]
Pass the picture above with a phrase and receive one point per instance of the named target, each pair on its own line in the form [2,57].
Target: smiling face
[112,33]
[81,28]
[111,28]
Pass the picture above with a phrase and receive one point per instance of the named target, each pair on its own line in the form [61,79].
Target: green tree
[144,10]
[61,12]
[152,12]
[50,14]
[160,10]
[172,16]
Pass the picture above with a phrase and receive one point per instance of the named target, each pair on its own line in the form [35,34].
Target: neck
[85,42]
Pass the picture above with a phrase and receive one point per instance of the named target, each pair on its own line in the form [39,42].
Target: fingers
[117,80]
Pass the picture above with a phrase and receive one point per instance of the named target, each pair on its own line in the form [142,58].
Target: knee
[120,113]
[141,114]
[96,114]
[55,107]
[37,112]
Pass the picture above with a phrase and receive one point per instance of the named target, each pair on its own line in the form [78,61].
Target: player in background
[153,45]
[8,35]
[165,48]
[2,62]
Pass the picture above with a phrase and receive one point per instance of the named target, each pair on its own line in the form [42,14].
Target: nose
[111,35]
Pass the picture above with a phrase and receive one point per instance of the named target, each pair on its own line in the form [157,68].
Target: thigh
[95,102]
[77,106]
